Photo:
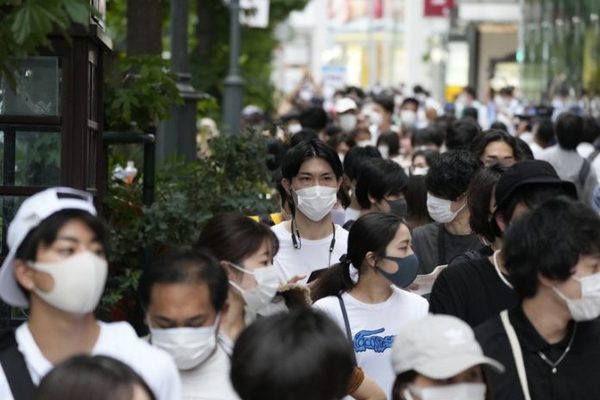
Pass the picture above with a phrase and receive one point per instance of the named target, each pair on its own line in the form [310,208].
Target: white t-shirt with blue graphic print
[374,327]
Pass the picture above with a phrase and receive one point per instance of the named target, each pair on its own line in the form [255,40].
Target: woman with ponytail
[364,293]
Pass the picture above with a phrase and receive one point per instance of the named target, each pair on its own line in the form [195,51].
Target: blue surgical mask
[406,273]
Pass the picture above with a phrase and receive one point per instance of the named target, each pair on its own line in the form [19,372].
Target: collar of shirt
[529,338]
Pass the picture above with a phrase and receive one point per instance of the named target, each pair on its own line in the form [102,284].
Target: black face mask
[406,273]
[398,208]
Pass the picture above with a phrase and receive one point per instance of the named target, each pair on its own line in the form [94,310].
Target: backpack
[14,366]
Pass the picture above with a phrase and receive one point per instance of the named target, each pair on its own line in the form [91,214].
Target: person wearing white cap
[346,110]
[57,267]
[438,358]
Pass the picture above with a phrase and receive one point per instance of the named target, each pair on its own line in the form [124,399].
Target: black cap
[530,172]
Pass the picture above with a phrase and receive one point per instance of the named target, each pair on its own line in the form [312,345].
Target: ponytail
[334,280]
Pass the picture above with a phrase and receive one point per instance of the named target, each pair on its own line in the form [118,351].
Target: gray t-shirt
[426,244]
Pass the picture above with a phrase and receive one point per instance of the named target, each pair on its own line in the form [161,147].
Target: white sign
[254,13]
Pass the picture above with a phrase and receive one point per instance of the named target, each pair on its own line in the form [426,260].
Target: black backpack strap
[347,324]
[593,156]
[15,368]
[345,316]
[583,173]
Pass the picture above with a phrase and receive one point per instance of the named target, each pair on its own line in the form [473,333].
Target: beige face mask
[78,282]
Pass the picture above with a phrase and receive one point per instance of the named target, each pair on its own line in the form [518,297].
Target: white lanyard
[500,275]
[517,353]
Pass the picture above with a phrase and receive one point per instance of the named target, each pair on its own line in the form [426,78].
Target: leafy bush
[233,178]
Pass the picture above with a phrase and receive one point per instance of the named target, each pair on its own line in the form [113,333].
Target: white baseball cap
[438,347]
[345,104]
[32,212]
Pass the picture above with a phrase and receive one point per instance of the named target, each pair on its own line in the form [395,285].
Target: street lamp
[234,83]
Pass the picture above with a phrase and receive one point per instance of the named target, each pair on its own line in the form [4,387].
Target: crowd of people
[416,256]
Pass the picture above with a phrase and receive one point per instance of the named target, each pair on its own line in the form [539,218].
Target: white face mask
[348,122]
[316,202]
[78,282]
[439,209]
[588,306]
[384,150]
[189,347]
[420,171]
[408,117]
[376,118]
[458,391]
[267,283]
[294,128]
[363,143]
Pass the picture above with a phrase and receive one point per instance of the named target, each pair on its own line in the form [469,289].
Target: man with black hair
[408,113]
[431,137]
[549,341]
[475,287]
[447,182]
[352,165]
[184,293]
[292,356]
[460,134]
[543,136]
[380,188]
[564,158]
[382,110]
[314,118]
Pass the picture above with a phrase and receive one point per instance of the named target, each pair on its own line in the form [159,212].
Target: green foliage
[233,178]
[141,95]
[27,23]
[257,46]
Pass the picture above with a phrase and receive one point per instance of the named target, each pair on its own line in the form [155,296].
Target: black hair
[431,156]
[591,130]
[460,134]
[392,141]
[500,126]
[355,157]
[91,378]
[45,233]
[386,102]
[470,91]
[530,195]
[379,178]
[548,241]
[303,152]
[292,356]
[569,130]
[340,138]
[481,142]
[449,176]
[416,201]
[314,118]
[479,198]
[308,150]
[371,232]
[427,136]
[303,135]
[545,131]
[234,237]
[470,112]
[525,152]
[185,265]
[410,100]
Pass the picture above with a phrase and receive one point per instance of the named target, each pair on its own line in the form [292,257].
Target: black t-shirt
[470,289]
[429,250]
[577,375]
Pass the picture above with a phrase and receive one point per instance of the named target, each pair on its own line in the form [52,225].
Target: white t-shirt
[210,381]
[374,327]
[117,340]
[311,256]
